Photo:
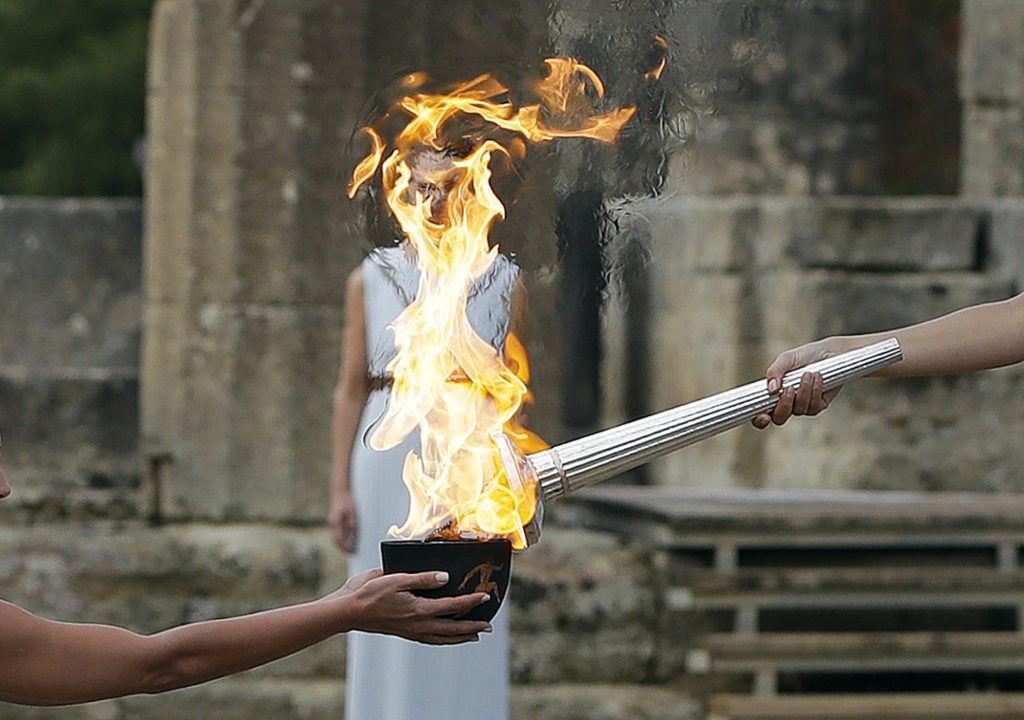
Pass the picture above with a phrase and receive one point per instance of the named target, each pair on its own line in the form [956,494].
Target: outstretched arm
[349,400]
[53,663]
[979,337]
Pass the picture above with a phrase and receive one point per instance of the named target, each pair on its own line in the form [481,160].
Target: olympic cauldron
[571,466]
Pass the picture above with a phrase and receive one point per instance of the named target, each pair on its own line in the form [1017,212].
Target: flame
[450,384]
[655,73]
[368,166]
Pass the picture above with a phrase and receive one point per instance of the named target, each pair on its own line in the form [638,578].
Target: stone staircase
[838,605]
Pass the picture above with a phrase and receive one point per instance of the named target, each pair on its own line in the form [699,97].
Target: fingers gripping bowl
[472,566]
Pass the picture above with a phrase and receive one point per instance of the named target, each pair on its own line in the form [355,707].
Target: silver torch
[566,468]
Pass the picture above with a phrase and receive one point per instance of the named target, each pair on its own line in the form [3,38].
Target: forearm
[193,654]
[975,338]
[51,663]
[348,407]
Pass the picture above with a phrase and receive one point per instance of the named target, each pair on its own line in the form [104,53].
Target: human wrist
[340,488]
[341,612]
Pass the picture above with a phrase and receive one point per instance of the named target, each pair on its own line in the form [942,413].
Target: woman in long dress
[397,680]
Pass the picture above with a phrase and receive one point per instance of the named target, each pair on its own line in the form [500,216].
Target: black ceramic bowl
[472,566]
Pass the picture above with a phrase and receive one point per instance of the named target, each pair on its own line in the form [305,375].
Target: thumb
[783,364]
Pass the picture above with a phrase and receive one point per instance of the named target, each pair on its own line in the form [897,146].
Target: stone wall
[69,356]
[992,88]
[738,280]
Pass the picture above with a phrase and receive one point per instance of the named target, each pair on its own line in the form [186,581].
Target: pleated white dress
[390,678]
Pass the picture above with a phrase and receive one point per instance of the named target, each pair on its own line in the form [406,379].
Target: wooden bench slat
[853,579]
[850,601]
[767,655]
[789,510]
[845,644]
[904,706]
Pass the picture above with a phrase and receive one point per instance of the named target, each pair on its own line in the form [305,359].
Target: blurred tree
[72,95]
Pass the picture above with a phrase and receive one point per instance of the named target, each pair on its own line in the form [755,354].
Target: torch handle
[576,464]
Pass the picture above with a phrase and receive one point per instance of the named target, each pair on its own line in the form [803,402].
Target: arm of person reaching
[349,399]
[56,663]
[979,337]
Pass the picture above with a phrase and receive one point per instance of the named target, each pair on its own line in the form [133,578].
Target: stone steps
[746,582]
[899,597]
[748,593]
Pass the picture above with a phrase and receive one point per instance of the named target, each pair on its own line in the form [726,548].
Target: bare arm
[349,400]
[53,663]
[975,338]
[979,337]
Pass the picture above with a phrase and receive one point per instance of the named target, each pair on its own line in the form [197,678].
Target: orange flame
[655,73]
[368,165]
[450,384]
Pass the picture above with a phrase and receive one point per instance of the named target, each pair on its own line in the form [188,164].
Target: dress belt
[379,382]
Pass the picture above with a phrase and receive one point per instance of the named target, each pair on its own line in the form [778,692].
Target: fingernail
[488,629]
[483,599]
[773,385]
[441,577]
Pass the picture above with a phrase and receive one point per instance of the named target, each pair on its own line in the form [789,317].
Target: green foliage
[72,95]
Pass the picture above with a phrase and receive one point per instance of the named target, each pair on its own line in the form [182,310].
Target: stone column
[992,154]
[992,89]
[247,244]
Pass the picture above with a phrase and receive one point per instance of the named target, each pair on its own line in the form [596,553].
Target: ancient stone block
[888,234]
[70,273]
[816,56]
[71,446]
[991,53]
[603,702]
[737,98]
[583,609]
[704,234]
[149,579]
[252,438]
[746,153]
[844,304]
[244,698]
[928,434]
[720,329]
[993,151]
[737,233]
[1005,256]
[247,251]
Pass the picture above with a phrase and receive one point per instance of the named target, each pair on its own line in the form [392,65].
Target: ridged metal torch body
[566,468]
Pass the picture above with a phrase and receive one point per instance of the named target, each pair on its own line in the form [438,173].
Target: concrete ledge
[71,445]
[603,702]
[740,233]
